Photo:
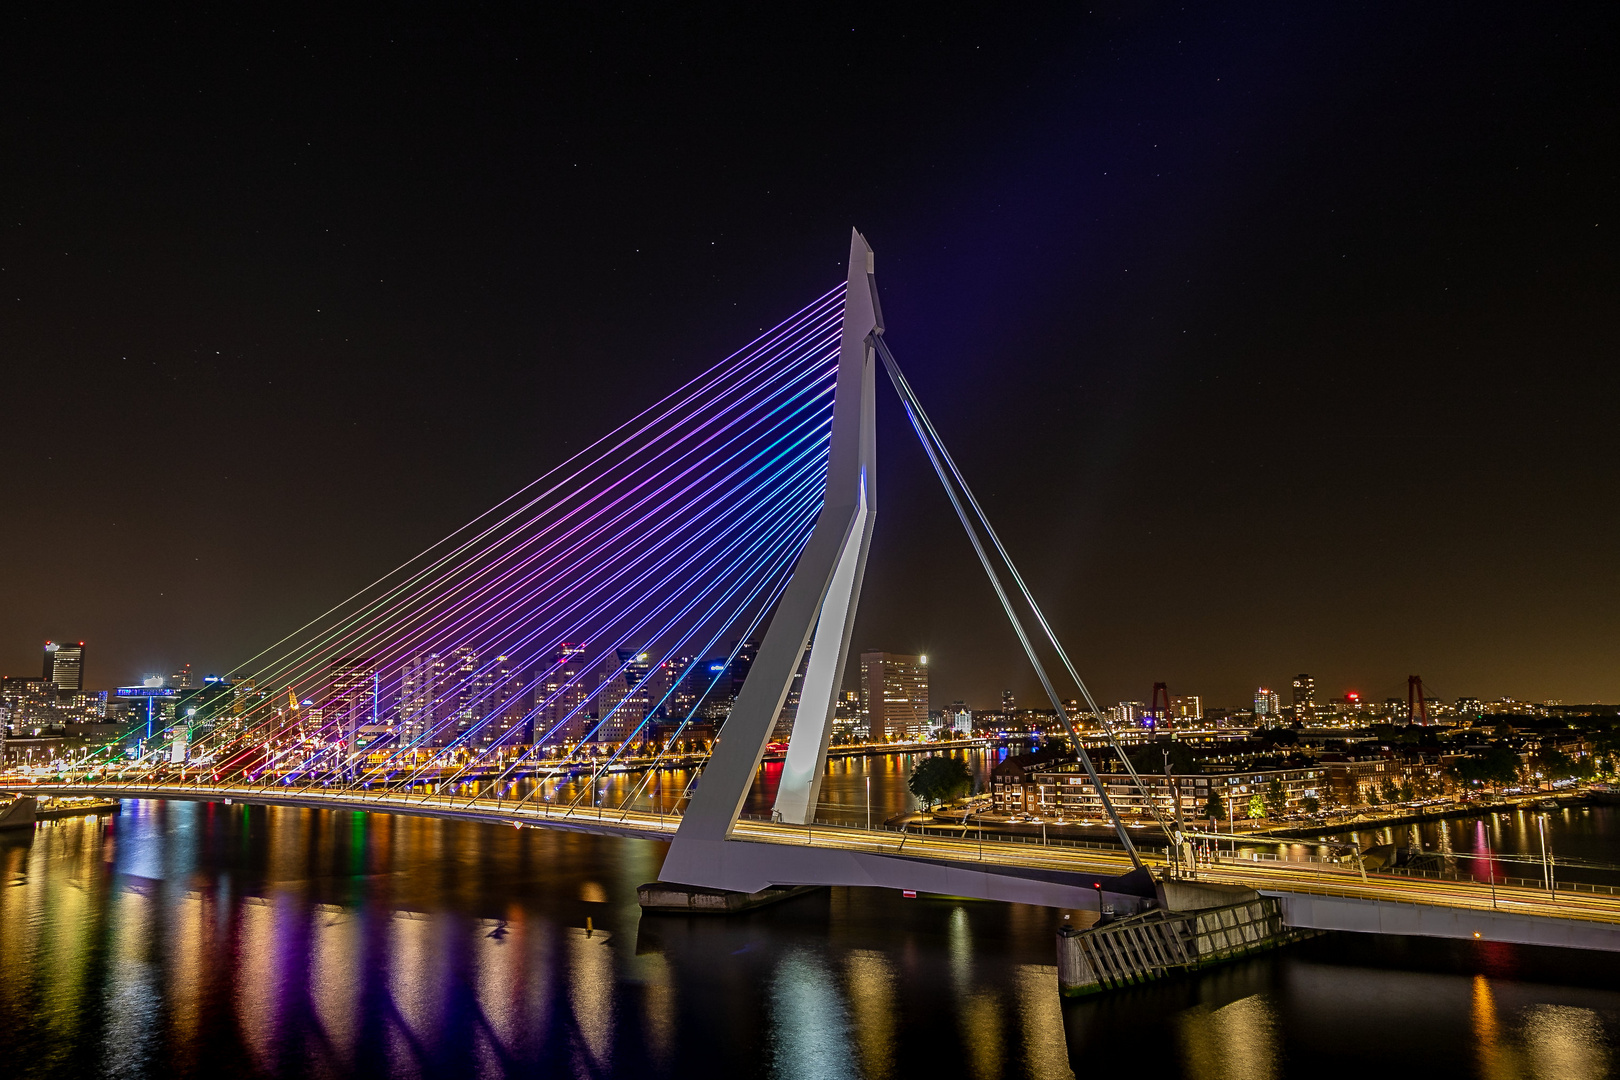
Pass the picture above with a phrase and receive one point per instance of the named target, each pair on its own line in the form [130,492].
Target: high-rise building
[1304,698]
[184,679]
[849,723]
[351,699]
[625,698]
[1267,705]
[506,707]
[959,718]
[1008,706]
[894,694]
[741,664]
[245,694]
[727,677]
[64,665]
[1187,707]
[677,677]
[28,704]
[1128,712]
[562,697]
[711,688]
[468,693]
[420,682]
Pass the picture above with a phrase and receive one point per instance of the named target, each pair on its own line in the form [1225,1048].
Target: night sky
[1275,338]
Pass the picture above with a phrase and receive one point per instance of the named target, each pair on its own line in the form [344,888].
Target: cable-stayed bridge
[604,619]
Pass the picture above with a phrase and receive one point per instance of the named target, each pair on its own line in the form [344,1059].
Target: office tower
[64,665]
[741,664]
[894,693]
[711,686]
[562,698]
[848,720]
[351,699]
[727,677]
[506,707]
[419,684]
[624,701]
[244,694]
[1008,707]
[960,719]
[1267,705]
[184,679]
[1304,698]
[464,696]
[1186,707]
[677,676]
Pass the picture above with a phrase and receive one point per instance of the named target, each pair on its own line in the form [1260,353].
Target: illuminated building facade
[419,684]
[351,699]
[1304,698]
[64,665]
[563,697]
[894,695]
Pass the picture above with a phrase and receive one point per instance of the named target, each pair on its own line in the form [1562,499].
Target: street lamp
[1098,886]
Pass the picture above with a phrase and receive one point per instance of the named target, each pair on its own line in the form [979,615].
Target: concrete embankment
[1196,925]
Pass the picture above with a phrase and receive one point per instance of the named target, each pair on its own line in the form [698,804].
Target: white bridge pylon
[820,598]
[817,611]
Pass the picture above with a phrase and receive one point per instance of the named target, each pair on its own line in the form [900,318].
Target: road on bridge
[1278,876]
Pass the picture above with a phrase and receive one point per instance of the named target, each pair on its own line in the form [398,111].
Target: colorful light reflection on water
[187,939]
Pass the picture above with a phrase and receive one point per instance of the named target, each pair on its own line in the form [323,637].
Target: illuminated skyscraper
[467,694]
[419,686]
[1267,705]
[506,707]
[351,699]
[562,697]
[1304,698]
[64,665]
[894,693]
[624,701]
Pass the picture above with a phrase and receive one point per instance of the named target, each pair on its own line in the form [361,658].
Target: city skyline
[1361,694]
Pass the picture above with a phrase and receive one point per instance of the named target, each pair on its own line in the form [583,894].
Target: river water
[187,939]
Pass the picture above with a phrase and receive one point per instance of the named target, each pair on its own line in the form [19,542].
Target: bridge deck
[1504,904]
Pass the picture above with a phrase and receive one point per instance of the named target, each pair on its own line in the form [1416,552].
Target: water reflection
[1495,1060]
[290,943]
[871,998]
[1041,1014]
[810,1032]
[591,982]
[1234,1042]
[1564,1043]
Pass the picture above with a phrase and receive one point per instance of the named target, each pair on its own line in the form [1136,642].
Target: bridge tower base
[664,898]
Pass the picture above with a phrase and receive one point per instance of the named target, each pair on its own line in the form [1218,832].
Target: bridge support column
[820,598]
[1076,977]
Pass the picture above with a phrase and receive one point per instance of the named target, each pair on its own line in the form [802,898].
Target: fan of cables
[607,596]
